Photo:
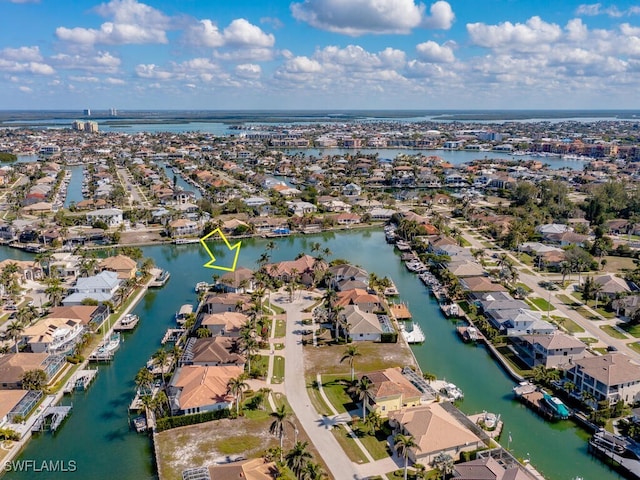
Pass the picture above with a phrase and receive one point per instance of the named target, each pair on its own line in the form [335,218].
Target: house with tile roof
[435,431]
[252,469]
[489,468]
[195,388]
[391,391]
[124,266]
[226,324]
[361,325]
[550,350]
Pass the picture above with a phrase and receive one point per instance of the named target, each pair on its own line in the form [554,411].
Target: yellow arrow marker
[210,263]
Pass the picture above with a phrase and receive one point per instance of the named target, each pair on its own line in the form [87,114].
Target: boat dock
[160,277]
[172,335]
[80,381]
[57,414]
[415,335]
[617,450]
[400,311]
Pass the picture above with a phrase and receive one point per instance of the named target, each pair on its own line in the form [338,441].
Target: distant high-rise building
[113,112]
[81,126]
[87,112]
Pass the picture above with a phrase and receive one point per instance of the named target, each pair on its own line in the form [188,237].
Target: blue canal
[97,436]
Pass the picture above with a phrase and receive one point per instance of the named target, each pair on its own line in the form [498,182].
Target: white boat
[183,313]
[415,335]
[112,344]
[452,391]
[202,287]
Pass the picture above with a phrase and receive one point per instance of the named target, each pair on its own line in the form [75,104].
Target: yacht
[555,406]
[452,391]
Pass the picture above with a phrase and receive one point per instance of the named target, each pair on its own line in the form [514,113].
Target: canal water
[97,437]
[74,189]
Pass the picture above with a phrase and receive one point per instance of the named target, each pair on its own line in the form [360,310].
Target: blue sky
[319,54]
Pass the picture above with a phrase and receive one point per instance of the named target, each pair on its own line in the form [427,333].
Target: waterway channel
[97,437]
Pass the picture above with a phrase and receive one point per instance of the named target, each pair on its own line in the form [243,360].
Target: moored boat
[556,407]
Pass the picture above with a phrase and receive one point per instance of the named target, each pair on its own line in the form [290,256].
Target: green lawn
[612,332]
[335,390]
[526,259]
[376,445]
[634,346]
[587,314]
[526,271]
[541,304]
[524,287]
[349,445]
[273,307]
[633,330]
[516,364]
[568,324]
[281,328]
[278,369]
[317,401]
[588,340]
[567,300]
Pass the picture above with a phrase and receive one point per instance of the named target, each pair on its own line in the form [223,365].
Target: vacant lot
[373,356]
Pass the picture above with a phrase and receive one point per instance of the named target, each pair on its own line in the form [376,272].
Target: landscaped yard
[634,346]
[278,369]
[281,328]
[612,332]
[349,445]
[633,330]
[335,389]
[567,300]
[541,304]
[568,324]
[619,264]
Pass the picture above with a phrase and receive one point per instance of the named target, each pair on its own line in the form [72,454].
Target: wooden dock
[172,335]
[80,380]
[616,450]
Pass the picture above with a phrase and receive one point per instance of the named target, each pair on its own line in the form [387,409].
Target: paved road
[132,188]
[340,466]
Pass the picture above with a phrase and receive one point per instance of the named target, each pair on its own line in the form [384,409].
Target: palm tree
[14,330]
[312,471]
[280,418]
[444,464]
[235,387]
[144,379]
[160,358]
[298,457]
[429,377]
[350,354]
[403,444]
[363,389]
[250,347]
[54,291]
[596,290]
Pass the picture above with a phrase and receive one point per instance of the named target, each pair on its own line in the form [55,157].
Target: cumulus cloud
[25,89]
[132,23]
[441,17]
[114,81]
[23,54]
[534,35]
[24,60]
[239,33]
[359,17]
[432,52]
[248,70]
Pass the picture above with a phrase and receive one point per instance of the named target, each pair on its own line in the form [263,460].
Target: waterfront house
[86,314]
[124,266]
[111,216]
[238,281]
[252,469]
[9,400]
[480,284]
[103,287]
[13,366]
[196,389]
[435,431]
[212,351]
[465,268]
[609,377]
[361,325]
[303,269]
[183,227]
[301,208]
[488,468]
[25,269]
[346,277]
[225,323]
[628,305]
[226,302]
[528,322]
[64,264]
[53,335]
[550,350]
[391,391]
[365,301]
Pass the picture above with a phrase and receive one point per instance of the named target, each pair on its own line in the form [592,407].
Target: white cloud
[576,30]
[239,35]
[534,35]
[441,17]
[630,30]
[359,17]
[25,89]
[242,33]
[594,9]
[84,79]
[22,54]
[152,71]
[37,68]
[248,70]
[432,52]
[114,81]
[133,22]
[100,62]
[205,33]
